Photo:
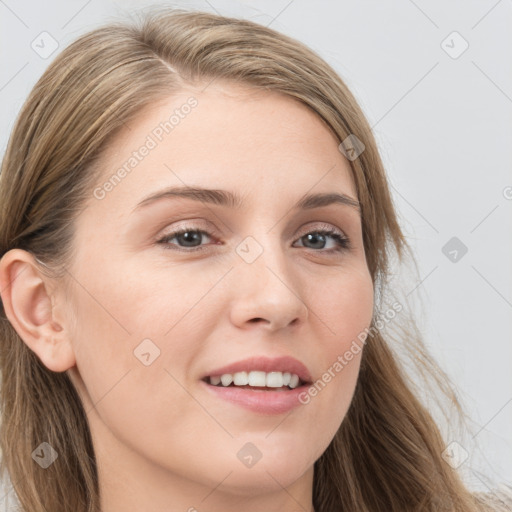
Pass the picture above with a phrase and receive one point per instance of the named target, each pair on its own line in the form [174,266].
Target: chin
[262,478]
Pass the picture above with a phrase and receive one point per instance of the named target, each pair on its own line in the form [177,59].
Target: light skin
[162,442]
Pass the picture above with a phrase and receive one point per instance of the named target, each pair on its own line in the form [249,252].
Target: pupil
[315,238]
[190,234]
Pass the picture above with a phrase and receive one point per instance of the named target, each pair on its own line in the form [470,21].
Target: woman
[172,340]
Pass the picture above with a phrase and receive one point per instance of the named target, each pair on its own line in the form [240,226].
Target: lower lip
[258,400]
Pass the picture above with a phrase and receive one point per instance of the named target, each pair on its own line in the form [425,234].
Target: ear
[30,309]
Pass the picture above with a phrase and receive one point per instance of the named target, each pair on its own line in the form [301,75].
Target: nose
[267,291]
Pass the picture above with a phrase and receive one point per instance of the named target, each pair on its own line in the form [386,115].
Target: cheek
[344,307]
[134,339]
[130,381]
[343,304]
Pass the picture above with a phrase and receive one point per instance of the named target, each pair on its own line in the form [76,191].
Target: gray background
[443,125]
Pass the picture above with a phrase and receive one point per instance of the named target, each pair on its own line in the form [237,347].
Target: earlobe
[28,307]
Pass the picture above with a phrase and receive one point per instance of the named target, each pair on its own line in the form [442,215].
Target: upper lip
[265,364]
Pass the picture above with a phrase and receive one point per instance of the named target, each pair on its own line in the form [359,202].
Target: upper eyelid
[315,225]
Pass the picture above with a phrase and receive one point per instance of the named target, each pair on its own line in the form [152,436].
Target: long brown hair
[387,453]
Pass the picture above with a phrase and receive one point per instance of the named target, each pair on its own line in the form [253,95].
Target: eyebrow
[231,200]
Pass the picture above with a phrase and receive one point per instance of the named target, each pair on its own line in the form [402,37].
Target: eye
[189,235]
[342,242]
[191,238]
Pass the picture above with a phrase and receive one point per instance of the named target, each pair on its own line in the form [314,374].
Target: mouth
[280,394]
[257,381]
[261,384]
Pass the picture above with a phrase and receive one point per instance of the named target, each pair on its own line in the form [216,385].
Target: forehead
[260,143]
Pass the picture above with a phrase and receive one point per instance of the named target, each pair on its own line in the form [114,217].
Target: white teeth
[226,379]
[274,380]
[257,379]
[215,380]
[294,381]
[240,379]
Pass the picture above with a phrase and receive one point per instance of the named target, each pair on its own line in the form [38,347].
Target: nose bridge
[266,285]
[265,256]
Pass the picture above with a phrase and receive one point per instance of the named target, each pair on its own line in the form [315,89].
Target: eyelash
[343,241]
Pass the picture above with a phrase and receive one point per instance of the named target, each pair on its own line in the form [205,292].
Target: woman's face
[154,314]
